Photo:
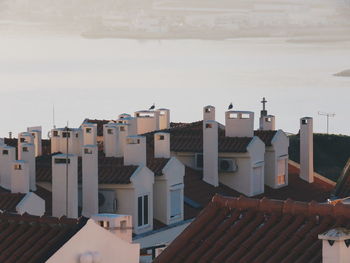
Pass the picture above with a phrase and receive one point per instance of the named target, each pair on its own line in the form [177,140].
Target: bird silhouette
[152,107]
[230,106]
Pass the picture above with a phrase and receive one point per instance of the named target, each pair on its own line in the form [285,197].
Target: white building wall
[164,118]
[210,152]
[98,242]
[31,204]
[37,134]
[89,131]
[61,188]
[26,152]
[20,177]
[162,145]
[90,180]
[239,124]
[306,149]
[135,150]
[110,139]
[7,157]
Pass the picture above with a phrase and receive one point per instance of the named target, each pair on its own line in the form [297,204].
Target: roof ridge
[39,219]
[288,206]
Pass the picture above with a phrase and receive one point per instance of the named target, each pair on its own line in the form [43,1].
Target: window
[5,152]
[87,151]
[88,130]
[281,168]
[233,116]
[175,202]
[207,110]
[55,134]
[142,206]
[245,116]
[22,140]
[18,167]
[33,134]
[208,125]
[122,129]
[65,134]
[161,137]
[25,149]
[109,131]
[61,160]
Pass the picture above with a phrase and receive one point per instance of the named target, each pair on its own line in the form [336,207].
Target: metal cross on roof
[264,101]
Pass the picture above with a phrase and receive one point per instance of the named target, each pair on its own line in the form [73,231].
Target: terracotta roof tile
[157,164]
[110,170]
[256,230]
[9,201]
[31,239]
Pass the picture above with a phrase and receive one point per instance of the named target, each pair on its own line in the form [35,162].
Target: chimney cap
[64,155]
[19,161]
[337,234]
[238,111]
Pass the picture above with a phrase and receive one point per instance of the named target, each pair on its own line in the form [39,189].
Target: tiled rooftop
[9,201]
[30,239]
[256,230]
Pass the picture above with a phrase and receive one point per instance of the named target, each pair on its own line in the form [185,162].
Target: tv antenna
[328,115]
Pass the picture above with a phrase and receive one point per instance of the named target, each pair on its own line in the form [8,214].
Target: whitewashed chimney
[90,180]
[89,133]
[37,135]
[210,152]
[135,150]
[162,145]
[25,137]
[20,177]
[306,149]
[26,152]
[130,121]
[65,167]
[110,140]
[120,225]
[239,124]
[164,119]
[268,123]
[147,121]
[74,138]
[335,245]
[122,133]
[55,136]
[209,113]
[7,157]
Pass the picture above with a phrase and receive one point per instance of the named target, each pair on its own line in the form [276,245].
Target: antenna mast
[328,115]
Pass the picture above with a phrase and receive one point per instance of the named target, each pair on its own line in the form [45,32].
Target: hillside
[330,153]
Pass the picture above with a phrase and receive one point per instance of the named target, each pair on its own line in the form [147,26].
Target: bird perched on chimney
[230,106]
[152,107]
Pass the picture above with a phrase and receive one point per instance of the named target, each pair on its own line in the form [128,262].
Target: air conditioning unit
[106,201]
[227,165]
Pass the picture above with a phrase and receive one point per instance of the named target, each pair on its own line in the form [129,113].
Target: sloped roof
[111,170]
[265,136]
[31,239]
[9,201]
[342,188]
[156,165]
[256,230]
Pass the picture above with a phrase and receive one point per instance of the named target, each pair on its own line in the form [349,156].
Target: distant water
[104,77]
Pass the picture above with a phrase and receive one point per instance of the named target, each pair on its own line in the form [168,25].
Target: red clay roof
[252,230]
[111,170]
[30,239]
[9,201]
[201,192]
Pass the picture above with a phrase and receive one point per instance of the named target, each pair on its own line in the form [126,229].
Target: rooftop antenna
[328,115]
[53,116]
[67,135]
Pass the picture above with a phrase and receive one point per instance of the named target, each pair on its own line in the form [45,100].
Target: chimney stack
[130,121]
[37,135]
[209,113]
[335,245]
[267,123]
[164,119]
[26,152]
[114,137]
[25,137]
[89,133]
[65,167]
[90,180]
[210,152]
[306,149]
[135,150]
[147,121]
[239,124]
[20,177]
[162,145]
[7,157]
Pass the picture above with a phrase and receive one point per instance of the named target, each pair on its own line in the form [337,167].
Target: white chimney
[74,137]
[26,152]
[239,124]
[65,167]
[120,225]
[147,121]
[162,145]
[90,180]
[135,150]
[37,135]
[110,139]
[55,136]
[164,119]
[89,133]
[210,152]
[20,177]
[209,113]
[7,157]
[267,123]
[335,245]
[130,121]
[25,137]
[306,149]
[122,133]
